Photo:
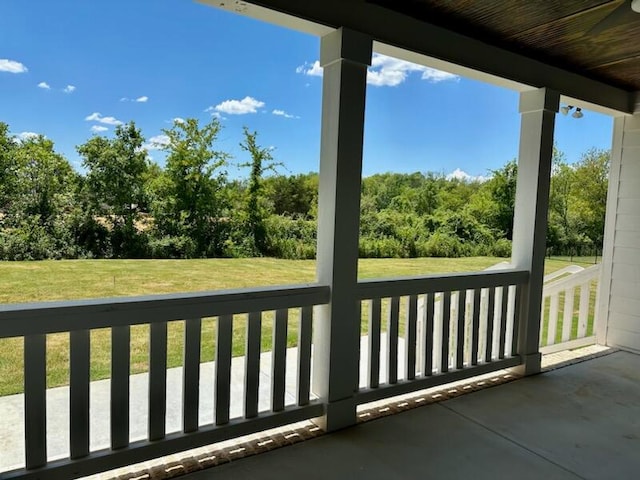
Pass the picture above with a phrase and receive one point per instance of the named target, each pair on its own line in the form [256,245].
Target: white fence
[34,322]
[568,315]
[420,332]
[451,327]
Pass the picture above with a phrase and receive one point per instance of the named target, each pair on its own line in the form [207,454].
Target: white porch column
[345,56]
[538,109]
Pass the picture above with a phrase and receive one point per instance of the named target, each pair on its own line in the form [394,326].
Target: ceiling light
[578,113]
[565,109]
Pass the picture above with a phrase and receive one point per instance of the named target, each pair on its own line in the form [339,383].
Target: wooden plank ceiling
[576,35]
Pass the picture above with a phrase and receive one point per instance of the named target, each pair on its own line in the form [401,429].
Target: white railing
[437,330]
[34,321]
[568,313]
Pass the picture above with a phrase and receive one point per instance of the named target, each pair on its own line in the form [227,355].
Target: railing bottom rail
[137,452]
[402,387]
[568,345]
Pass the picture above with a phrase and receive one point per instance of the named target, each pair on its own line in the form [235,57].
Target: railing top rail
[64,316]
[380,288]
[570,269]
[582,276]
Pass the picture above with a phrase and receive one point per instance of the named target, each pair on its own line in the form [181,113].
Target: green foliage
[114,187]
[502,191]
[190,198]
[172,247]
[442,244]
[380,247]
[577,203]
[37,211]
[8,167]
[501,248]
[291,237]
[292,195]
[126,206]
[115,173]
[261,161]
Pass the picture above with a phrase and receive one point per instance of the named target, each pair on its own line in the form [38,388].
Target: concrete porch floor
[580,421]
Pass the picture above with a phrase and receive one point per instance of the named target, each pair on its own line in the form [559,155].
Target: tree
[590,199]
[8,167]
[115,184]
[193,187]
[561,232]
[428,198]
[502,188]
[44,181]
[39,201]
[261,162]
[294,195]
[577,202]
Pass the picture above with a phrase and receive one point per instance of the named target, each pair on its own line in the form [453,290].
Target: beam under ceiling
[492,63]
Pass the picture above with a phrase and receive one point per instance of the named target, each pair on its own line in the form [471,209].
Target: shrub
[172,247]
[442,245]
[383,247]
[290,237]
[28,241]
[502,248]
[91,236]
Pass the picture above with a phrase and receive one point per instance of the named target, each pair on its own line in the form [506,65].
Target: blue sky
[71,69]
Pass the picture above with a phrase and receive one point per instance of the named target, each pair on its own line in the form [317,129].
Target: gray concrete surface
[580,421]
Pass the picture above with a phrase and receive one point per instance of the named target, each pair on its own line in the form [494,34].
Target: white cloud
[178,120]
[436,76]
[282,113]
[44,85]
[69,89]
[313,70]
[157,142]
[27,135]
[459,174]
[97,117]
[388,71]
[160,139]
[237,107]
[12,66]
[98,129]
[142,99]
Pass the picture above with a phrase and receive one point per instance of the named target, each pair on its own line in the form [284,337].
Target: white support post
[345,56]
[538,109]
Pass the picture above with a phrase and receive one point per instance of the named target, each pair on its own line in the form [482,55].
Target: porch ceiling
[570,34]
[518,44]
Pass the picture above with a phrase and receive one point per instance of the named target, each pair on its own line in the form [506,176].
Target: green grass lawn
[22,282]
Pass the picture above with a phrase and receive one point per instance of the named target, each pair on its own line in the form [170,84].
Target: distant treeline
[126,206]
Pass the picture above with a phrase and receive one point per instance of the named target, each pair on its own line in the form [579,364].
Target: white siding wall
[620,295]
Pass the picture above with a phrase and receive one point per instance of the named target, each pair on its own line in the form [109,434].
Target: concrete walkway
[576,422]
[12,417]
[12,407]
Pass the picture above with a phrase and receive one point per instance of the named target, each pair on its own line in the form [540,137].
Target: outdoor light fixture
[565,109]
